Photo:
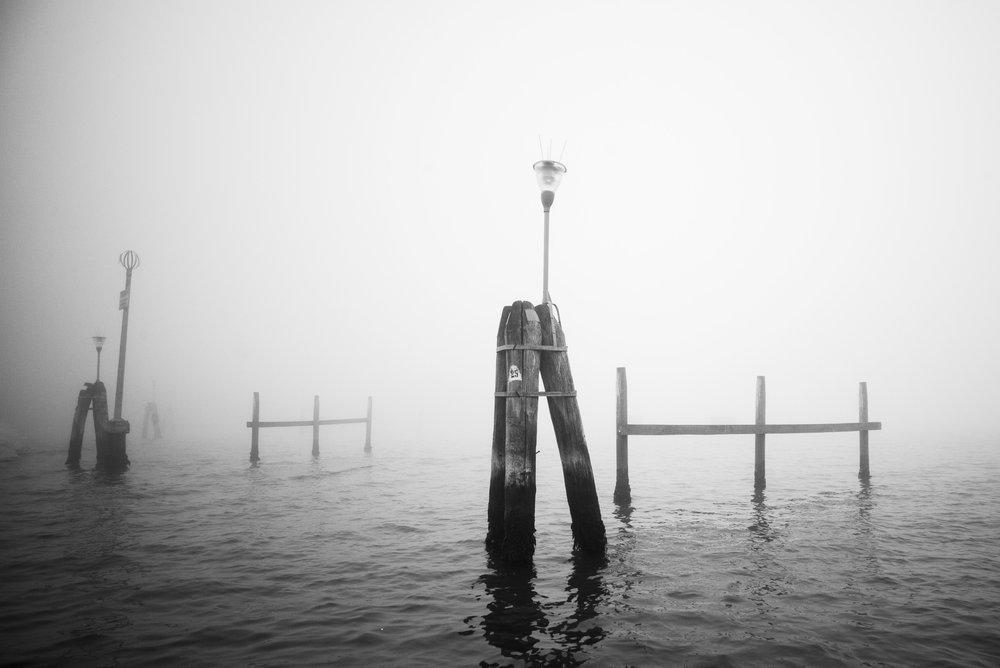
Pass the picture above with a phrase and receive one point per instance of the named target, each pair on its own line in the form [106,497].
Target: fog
[336,199]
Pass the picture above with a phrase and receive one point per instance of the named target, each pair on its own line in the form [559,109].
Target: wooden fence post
[578,473]
[759,481]
[863,471]
[255,430]
[495,508]
[521,434]
[623,490]
[315,452]
[368,427]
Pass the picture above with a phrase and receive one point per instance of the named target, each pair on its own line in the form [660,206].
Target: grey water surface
[195,558]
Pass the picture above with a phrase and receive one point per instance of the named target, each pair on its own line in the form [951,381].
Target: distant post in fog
[255,424]
[863,471]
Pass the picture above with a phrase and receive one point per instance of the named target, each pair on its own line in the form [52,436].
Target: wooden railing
[256,424]
[623,491]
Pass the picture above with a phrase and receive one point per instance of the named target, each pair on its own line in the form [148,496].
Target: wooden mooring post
[760,428]
[256,425]
[109,434]
[530,342]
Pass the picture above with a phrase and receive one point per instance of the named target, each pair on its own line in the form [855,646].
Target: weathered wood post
[79,425]
[315,452]
[255,430]
[368,427]
[863,471]
[521,434]
[623,489]
[578,474]
[759,481]
[495,508]
[111,456]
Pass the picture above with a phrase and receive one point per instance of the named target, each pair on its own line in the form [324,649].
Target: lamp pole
[129,260]
[549,174]
[99,342]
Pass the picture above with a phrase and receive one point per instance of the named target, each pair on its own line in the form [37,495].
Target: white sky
[336,198]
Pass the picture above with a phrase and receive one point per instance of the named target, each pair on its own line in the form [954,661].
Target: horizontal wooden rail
[714,429]
[306,423]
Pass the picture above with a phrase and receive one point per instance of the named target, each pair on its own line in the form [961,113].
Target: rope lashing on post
[528,346]
[534,394]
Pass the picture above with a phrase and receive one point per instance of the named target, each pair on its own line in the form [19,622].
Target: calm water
[195,558]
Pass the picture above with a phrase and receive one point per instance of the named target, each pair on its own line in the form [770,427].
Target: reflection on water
[524,629]
[96,564]
[770,576]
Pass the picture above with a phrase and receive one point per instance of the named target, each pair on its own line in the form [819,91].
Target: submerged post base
[111,457]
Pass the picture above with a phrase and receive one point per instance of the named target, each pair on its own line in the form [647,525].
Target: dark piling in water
[495,508]
[79,425]
[109,434]
[578,473]
[521,434]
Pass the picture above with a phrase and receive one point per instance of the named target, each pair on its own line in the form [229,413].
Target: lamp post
[129,260]
[99,342]
[549,174]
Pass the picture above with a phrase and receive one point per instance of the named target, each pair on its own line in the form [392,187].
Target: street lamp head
[129,259]
[549,174]
[99,342]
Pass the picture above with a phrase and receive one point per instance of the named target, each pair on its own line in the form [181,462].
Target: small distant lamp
[99,343]
[549,174]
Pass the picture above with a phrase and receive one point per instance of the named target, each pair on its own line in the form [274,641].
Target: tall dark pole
[547,198]
[129,260]
[549,173]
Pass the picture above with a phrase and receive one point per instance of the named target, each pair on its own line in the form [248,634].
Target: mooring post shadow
[255,426]
[759,429]
[531,342]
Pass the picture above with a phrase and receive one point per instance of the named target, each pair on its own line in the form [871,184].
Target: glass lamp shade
[99,342]
[549,174]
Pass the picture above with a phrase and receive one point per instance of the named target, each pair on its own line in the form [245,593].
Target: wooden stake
[863,470]
[521,434]
[315,452]
[368,427]
[759,481]
[578,473]
[623,490]
[255,430]
[495,509]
